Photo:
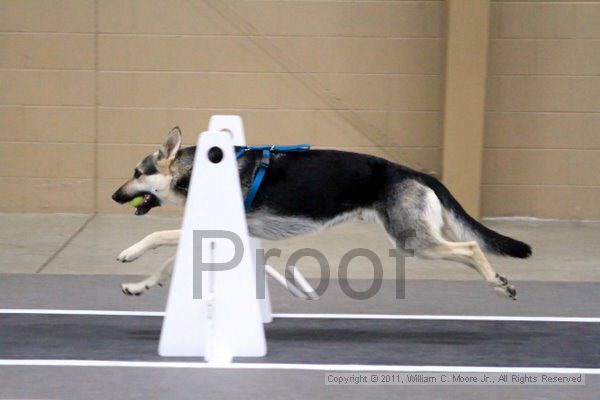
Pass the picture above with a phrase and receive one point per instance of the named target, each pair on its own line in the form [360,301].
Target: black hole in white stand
[215,155]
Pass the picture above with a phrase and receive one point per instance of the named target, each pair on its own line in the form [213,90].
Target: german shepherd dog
[313,190]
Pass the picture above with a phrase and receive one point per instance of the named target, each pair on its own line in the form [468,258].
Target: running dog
[310,191]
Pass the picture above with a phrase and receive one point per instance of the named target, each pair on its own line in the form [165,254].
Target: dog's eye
[137,173]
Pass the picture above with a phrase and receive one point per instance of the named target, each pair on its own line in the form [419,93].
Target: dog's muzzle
[148,202]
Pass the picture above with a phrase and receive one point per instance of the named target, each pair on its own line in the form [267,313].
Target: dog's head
[153,178]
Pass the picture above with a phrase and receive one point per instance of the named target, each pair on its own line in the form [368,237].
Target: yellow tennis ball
[136,202]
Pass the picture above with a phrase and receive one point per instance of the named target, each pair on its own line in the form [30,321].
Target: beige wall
[464,100]
[542,136]
[88,87]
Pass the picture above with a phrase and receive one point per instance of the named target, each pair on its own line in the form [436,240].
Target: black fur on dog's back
[346,181]
[322,184]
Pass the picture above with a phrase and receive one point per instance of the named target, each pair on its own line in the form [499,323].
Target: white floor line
[442,317]
[305,367]
[81,312]
[320,316]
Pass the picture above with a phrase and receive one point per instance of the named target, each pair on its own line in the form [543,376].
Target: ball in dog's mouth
[143,205]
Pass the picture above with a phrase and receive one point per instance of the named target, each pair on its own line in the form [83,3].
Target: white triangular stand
[226,321]
[234,126]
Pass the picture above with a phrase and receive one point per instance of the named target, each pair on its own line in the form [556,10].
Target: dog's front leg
[159,278]
[152,241]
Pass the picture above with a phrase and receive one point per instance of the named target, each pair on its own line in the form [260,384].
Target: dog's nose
[117,197]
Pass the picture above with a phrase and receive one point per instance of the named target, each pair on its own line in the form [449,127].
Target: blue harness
[264,165]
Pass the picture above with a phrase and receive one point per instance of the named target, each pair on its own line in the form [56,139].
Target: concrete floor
[89,244]
[561,279]
[447,342]
[159,383]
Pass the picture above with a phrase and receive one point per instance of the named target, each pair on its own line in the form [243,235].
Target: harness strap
[260,174]
[273,148]
[264,165]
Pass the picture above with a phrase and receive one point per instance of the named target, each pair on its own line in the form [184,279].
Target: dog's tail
[466,227]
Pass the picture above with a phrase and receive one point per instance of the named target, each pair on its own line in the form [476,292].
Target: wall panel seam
[30,106]
[149,34]
[565,185]
[545,75]
[65,69]
[539,149]
[333,110]
[217,72]
[95,189]
[541,112]
[284,73]
[49,178]
[542,38]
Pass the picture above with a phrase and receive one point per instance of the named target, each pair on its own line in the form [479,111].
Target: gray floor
[67,261]
[296,341]
[317,341]
[142,384]
[432,297]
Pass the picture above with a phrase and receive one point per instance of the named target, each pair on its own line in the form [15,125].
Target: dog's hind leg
[160,277]
[152,241]
[415,208]
[470,254]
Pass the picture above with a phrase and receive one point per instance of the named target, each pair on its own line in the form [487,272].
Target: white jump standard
[211,326]
[234,126]
[217,312]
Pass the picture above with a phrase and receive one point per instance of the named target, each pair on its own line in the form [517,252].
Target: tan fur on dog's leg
[470,253]
[160,277]
[152,241]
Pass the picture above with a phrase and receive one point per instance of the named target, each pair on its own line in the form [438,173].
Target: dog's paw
[504,289]
[134,289]
[130,254]
[507,291]
[502,281]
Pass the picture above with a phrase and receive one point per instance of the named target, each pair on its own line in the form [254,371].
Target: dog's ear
[171,145]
